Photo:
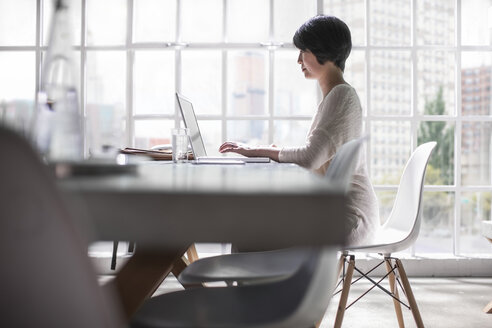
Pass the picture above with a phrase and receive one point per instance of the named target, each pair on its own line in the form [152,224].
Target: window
[422,70]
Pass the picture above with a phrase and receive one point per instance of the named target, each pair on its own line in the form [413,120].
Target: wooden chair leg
[345,292]
[343,256]
[192,254]
[409,293]
[394,290]
[488,308]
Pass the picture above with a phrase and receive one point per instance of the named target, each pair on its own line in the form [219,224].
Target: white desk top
[270,205]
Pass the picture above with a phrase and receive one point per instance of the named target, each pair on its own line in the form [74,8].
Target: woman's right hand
[250,151]
[239,148]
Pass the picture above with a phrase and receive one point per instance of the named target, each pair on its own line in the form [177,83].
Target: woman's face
[309,65]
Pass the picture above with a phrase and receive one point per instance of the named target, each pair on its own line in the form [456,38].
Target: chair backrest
[320,289]
[343,164]
[46,278]
[405,217]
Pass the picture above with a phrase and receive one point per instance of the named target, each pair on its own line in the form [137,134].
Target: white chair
[254,267]
[398,233]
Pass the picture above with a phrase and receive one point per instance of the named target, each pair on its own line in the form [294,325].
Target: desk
[166,207]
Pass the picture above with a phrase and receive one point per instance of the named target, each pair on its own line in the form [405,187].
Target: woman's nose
[299,58]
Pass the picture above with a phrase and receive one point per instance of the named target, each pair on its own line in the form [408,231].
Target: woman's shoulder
[340,92]
[342,89]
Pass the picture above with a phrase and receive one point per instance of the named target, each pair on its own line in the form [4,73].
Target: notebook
[196,141]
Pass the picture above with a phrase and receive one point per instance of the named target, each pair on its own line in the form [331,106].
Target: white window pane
[288,15]
[105,95]
[17,23]
[212,136]
[202,80]
[355,74]
[201,20]
[390,22]
[17,85]
[440,169]
[106,22]
[353,13]
[154,20]
[386,200]
[154,82]
[254,132]
[17,77]
[476,76]
[105,129]
[476,138]
[390,150]
[290,133]
[435,22]
[294,94]
[248,20]
[247,81]
[436,82]
[151,133]
[436,230]
[106,78]
[476,22]
[391,82]
[475,208]
[75,20]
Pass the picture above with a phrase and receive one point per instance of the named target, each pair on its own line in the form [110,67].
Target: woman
[325,44]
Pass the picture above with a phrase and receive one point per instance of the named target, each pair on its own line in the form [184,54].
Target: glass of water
[180,139]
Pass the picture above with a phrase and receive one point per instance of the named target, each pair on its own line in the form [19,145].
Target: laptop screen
[191,123]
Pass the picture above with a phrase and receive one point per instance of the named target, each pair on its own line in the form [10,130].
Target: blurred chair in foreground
[46,278]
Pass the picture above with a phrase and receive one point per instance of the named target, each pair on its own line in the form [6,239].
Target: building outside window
[422,70]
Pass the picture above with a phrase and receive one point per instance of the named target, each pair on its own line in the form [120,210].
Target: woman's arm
[250,151]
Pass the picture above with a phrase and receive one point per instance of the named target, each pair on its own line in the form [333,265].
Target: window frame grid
[414,118]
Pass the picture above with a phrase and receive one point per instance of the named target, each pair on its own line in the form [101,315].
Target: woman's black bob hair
[327,37]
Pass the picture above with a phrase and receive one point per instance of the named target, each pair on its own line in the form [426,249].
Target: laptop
[196,141]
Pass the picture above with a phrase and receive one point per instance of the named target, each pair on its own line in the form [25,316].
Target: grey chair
[253,267]
[47,280]
[297,301]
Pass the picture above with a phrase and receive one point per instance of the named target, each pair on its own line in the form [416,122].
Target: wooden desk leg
[192,253]
[178,266]
[488,308]
[142,274]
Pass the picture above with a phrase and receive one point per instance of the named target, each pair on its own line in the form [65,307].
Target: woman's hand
[250,151]
[242,149]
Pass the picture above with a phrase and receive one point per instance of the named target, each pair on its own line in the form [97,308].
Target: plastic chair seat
[247,267]
[385,242]
[297,301]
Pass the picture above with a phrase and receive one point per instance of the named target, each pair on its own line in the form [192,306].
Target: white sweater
[337,121]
